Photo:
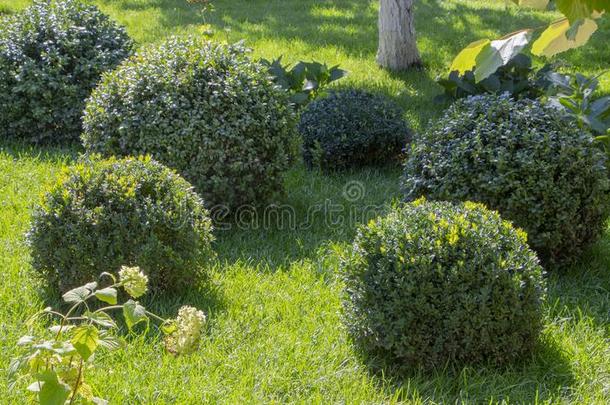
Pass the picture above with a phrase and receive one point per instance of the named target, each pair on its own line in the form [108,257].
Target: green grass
[273,300]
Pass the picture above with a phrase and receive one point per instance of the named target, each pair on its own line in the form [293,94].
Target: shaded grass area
[273,298]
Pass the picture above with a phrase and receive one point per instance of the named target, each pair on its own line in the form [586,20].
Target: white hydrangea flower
[188,329]
[134,281]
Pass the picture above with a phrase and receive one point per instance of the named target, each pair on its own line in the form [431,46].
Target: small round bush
[519,158]
[435,283]
[202,108]
[51,55]
[352,128]
[102,214]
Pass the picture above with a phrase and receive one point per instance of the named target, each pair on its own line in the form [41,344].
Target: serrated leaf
[134,313]
[581,9]
[53,391]
[79,294]
[108,341]
[101,318]
[555,39]
[467,59]
[85,340]
[107,295]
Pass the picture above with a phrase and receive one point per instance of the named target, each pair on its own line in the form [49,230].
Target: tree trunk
[397,43]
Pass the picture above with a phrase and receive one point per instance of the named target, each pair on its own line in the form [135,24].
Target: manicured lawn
[273,298]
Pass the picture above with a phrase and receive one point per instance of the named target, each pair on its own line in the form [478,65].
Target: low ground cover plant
[202,108]
[51,55]
[434,283]
[523,159]
[101,214]
[56,361]
[352,128]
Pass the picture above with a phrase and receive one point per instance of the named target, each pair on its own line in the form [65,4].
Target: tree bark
[397,41]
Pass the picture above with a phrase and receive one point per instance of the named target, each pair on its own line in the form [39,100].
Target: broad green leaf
[109,341]
[53,391]
[107,295]
[537,4]
[55,328]
[101,318]
[85,340]
[79,294]
[467,59]
[134,313]
[499,53]
[554,39]
[168,327]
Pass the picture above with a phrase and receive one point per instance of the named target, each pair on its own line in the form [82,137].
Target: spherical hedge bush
[352,128]
[102,214]
[51,55]
[203,109]
[435,283]
[522,159]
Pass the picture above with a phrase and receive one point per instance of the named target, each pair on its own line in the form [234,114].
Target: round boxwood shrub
[202,108]
[102,214]
[521,159]
[352,128]
[51,55]
[435,283]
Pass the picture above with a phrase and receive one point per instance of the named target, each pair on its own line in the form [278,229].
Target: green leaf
[107,295]
[108,341]
[79,294]
[499,53]
[101,318]
[555,39]
[134,313]
[168,327]
[85,340]
[53,391]
[467,59]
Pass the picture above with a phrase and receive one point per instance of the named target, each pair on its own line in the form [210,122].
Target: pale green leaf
[79,294]
[107,295]
[466,60]
[554,39]
[537,4]
[100,318]
[134,313]
[85,340]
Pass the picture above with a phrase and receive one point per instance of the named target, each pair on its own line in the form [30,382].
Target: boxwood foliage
[434,283]
[102,214]
[202,108]
[522,159]
[352,128]
[51,55]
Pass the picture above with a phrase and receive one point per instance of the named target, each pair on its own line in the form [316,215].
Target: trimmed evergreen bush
[102,214]
[51,55]
[435,283]
[523,159]
[202,108]
[352,128]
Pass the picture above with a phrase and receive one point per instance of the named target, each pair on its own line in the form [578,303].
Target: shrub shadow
[317,209]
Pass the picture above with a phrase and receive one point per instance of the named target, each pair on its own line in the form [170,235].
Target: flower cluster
[134,281]
[187,333]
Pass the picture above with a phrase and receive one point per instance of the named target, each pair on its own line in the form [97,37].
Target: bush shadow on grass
[542,377]
[316,209]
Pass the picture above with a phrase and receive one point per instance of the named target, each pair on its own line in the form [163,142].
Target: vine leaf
[134,313]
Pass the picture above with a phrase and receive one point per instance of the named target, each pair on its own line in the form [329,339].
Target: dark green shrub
[102,214]
[352,128]
[522,159]
[203,109]
[51,55]
[436,283]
